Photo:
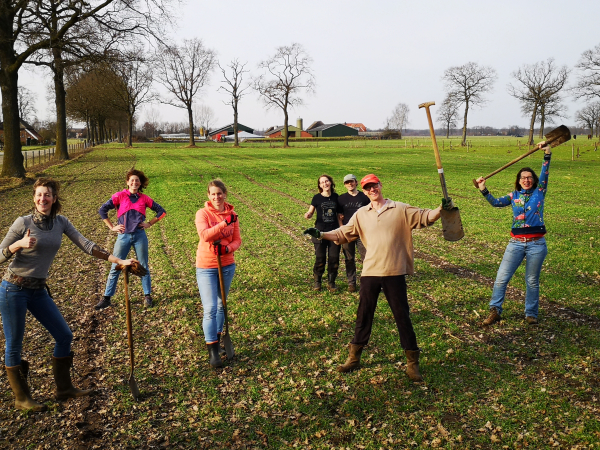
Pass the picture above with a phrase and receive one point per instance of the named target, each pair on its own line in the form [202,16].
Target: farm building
[294,131]
[228,130]
[357,126]
[319,129]
[27,132]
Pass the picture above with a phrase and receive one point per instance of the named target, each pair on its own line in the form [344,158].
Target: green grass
[509,386]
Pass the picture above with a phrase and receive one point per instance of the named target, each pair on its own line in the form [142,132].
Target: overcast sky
[369,56]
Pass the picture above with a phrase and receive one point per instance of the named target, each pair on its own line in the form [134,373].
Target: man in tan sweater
[385,228]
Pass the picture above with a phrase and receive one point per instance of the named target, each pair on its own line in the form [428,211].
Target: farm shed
[228,130]
[319,129]
[276,132]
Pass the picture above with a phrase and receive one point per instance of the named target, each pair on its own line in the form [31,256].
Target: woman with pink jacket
[219,233]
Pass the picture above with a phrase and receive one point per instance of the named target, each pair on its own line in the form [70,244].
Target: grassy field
[508,386]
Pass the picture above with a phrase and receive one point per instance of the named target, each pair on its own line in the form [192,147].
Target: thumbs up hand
[28,241]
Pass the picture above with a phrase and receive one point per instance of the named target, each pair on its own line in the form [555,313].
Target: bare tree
[538,84]
[232,84]
[399,118]
[184,70]
[287,75]
[467,85]
[447,115]
[589,117]
[132,87]
[26,104]
[588,80]
[548,109]
[22,35]
[204,117]
[153,119]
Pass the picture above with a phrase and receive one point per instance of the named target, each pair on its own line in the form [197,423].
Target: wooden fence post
[572,151]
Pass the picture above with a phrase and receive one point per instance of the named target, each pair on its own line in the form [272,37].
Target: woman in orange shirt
[219,232]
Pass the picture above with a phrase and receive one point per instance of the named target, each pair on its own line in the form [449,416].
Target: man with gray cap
[385,227]
[351,202]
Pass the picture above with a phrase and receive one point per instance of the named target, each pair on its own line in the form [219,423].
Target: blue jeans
[212,302]
[139,241]
[14,303]
[534,253]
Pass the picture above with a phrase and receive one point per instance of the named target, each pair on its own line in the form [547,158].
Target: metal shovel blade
[558,136]
[452,228]
[228,346]
[133,387]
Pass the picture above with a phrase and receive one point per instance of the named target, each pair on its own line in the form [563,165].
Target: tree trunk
[191,119]
[12,165]
[129,130]
[62,151]
[448,131]
[236,142]
[542,120]
[532,124]
[464,130]
[285,127]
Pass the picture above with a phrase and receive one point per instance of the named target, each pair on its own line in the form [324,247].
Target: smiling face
[217,197]
[44,198]
[373,191]
[133,183]
[350,185]
[526,180]
[325,184]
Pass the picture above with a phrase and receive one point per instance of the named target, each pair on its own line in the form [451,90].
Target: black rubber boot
[331,282]
[213,353]
[103,303]
[317,285]
[61,367]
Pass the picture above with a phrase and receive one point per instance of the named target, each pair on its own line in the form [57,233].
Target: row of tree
[538,87]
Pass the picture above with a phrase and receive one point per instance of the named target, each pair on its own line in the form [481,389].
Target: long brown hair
[330,180]
[536,180]
[54,186]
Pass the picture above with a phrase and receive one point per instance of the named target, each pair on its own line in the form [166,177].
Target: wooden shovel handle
[128,312]
[438,160]
[525,155]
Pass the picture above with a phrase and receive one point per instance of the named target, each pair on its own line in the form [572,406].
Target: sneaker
[147,301]
[103,303]
[352,287]
[531,320]
[493,317]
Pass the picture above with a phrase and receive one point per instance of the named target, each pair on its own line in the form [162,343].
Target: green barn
[319,129]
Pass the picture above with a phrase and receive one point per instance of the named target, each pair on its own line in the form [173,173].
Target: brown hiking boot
[493,317]
[353,361]
[412,365]
[17,377]
[531,320]
[352,287]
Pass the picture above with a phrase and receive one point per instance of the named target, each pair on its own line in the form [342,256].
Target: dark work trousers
[394,288]
[349,250]
[323,250]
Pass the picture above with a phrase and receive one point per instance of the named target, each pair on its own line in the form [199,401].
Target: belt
[520,239]
[26,282]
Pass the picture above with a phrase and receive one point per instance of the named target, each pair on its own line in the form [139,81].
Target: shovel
[133,387]
[452,228]
[556,137]
[226,338]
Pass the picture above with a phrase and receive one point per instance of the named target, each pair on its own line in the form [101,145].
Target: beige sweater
[387,237]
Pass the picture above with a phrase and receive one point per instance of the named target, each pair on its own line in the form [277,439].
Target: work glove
[135,268]
[231,218]
[447,204]
[219,249]
[317,234]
